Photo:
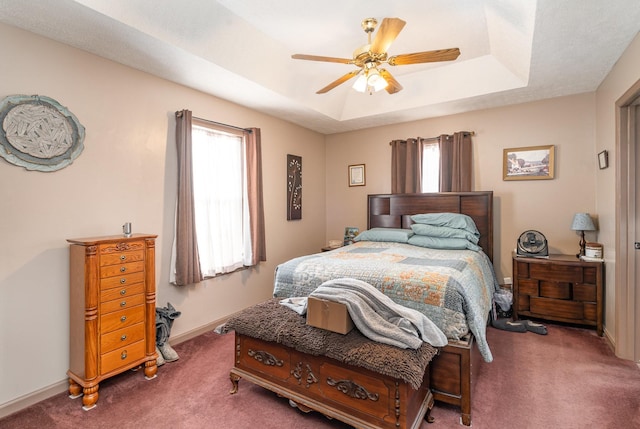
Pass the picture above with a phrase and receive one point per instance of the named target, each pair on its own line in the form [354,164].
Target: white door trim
[627,305]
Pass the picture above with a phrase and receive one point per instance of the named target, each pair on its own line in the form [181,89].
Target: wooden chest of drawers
[560,287]
[112,310]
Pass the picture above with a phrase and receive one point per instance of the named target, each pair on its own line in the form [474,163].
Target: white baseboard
[33,398]
[61,386]
[610,340]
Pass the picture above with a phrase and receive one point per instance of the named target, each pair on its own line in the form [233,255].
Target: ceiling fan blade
[394,86]
[424,57]
[319,58]
[387,33]
[339,81]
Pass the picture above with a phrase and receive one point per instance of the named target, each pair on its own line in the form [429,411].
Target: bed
[461,282]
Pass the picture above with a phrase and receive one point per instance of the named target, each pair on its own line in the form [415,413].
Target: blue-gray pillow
[395,235]
[444,232]
[453,220]
[443,243]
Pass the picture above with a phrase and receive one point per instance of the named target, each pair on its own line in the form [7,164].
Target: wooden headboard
[394,210]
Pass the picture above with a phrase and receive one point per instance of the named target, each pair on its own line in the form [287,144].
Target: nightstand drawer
[585,293]
[591,312]
[555,290]
[557,308]
[528,287]
[556,273]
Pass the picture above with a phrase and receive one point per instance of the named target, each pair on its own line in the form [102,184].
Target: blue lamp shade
[582,222]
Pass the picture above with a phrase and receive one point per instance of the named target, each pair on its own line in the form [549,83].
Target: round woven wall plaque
[38,133]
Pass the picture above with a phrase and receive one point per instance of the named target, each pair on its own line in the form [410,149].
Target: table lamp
[582,222]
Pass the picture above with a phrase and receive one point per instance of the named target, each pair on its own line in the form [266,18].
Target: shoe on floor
[168,353]
[537,328]
[160,360]
[509,325]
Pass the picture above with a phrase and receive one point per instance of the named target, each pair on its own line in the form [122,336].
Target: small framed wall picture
[603,159]
[357,175]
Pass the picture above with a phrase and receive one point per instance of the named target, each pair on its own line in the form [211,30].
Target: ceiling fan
[371,56]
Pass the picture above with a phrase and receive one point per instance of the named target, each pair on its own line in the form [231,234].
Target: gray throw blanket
[271,321]
[378,317]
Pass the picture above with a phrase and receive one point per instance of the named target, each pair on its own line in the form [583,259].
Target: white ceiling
[512,51]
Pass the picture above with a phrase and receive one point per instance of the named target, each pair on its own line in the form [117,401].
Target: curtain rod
[471,133]
[179,114]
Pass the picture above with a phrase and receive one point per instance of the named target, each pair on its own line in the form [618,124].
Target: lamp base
[583,243]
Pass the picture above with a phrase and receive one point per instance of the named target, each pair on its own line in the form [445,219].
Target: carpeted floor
[566,379]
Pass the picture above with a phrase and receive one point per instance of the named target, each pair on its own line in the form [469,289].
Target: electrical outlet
[508,281]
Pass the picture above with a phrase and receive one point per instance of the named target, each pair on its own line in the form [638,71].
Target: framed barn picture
[528,163]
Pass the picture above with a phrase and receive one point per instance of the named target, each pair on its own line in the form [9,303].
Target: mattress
[453,288]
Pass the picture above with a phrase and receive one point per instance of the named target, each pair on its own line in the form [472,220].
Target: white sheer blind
[431,167]
[220,198]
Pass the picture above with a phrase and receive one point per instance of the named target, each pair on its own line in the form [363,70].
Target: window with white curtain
[431,167]
[220,199]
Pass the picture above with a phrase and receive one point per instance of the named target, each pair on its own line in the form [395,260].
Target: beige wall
[544,205]
[127,172]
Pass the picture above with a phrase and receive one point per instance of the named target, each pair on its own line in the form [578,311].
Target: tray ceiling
[512,51]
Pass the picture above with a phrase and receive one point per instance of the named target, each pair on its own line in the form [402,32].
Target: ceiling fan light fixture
[360,84]
[370,81]
[375,81]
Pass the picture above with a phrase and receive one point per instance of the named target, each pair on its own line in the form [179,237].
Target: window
[220,199]
[431,167]
[219,213]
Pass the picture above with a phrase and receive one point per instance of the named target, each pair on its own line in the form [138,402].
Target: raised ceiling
[512,51]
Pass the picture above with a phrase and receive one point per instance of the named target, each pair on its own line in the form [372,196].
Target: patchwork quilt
[453,288]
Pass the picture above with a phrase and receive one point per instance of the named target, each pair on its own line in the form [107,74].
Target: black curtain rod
[179,114]
[471,133]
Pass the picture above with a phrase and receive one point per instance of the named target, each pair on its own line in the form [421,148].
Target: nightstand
[329,248]
[562,288]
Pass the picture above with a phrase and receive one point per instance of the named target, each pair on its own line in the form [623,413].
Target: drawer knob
[123,269]
[123,257]
[123,304]
[123,281]
[123,292]
[123,356]
[123,318]
[124,337]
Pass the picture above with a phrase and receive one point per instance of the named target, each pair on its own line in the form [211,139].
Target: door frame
[627,301]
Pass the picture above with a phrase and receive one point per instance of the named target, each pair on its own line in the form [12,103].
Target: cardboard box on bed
[329,315]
